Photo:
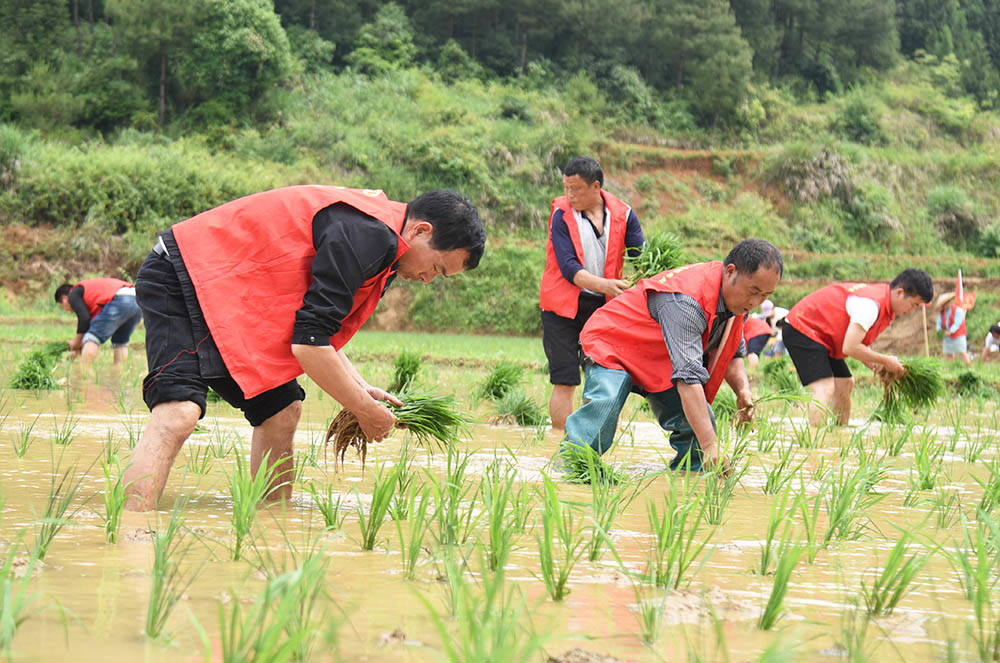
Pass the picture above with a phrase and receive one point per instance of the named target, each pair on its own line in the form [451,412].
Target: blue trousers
[604,393]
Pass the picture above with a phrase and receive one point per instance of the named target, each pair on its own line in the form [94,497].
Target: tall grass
[382,492]
[170,578]
[248,492]
[895,580]
[561,543]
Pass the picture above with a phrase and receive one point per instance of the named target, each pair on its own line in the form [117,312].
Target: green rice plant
[220,444]
[22,440]
[779,475]
[955,415]
[874,460]
[16,601]
[990,486]
[170,579]
[975,561]
[382,491]
[269,630]
[248,492]
[35,370]
[490,621]
[300,463]
[110,447]
[775,602]
[199,459]
[766,433]
[64,486]
[846,501]
[431,418]
[63,430]
[809,508]
[720,484]
[822,470]
[970,384]
[724,407]
[895,580]
[405,370]
[561,543]
[519,408]
[402,498]
[650,610]
[330,509]
[675,546]
[608,501]
[505,377]
[781,513]
[947,508]
[928,457]
[581,464]
[455,521]
[661,251]
[978,442]
[503,518]
[853,638]
[918,387]
[133,429]
[780,376]
[418,524]
[113,497]
[807,437]
[894,438]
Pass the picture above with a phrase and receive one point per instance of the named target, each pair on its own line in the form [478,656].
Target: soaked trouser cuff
[605,391]
[669,413]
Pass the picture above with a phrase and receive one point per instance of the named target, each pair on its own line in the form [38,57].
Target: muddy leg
[169,425]
[274,437]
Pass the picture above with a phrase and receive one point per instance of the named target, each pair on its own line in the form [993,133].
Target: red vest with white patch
[98,292]
[823,316]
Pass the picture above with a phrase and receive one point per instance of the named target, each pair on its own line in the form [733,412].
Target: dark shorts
[561,340]
[757,343]
[181,354]
[812,360]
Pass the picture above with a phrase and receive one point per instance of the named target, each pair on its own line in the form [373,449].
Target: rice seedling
[978,442]
[779,475]
[401,500]
[405,370]
[505,377]
[63,488]
[430,418]
[970,384]
[990,486]
[517,407]
[660,252]
[581,464]
[63,430]
[846,502]
[894,438]
[199,459]
[561,543]
[676,546]
[918,387]
[35,370]
[780,514]
[956,420]
[774,608]
[767,435]
[502,514]
[608,501]
[853,638]
[489,622]
[170,580]
[22,440]
[300,464]
[928,458]
[329,508]
[220,443]
[113,498]
[269,629]
[16,601]
[807,437]
[779,375]
[418,524]
[947,508]
[650,610]
[133,429]
[248,491]
[454,521]
[975,561]
[724,407]
[382,491]
[895,580]
[720,484]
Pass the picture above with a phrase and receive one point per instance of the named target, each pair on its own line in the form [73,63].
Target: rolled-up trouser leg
[669,413]
[604,393]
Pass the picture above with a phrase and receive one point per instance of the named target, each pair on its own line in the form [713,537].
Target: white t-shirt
[863,311]
[992,345]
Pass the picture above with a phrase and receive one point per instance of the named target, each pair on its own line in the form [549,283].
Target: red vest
[823,317]
[250,261]
[98,292]
[556,293]
[623,335]
[754,327]
[949,319]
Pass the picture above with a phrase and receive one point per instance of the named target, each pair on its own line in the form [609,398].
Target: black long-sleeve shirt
[80,308]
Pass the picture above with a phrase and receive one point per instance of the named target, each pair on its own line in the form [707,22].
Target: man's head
[445,234]
[62,295]
[750,274]
[911,288]
[995,330]
[582,182]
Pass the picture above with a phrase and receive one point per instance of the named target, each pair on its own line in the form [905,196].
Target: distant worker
[105,308]
[842,320]
[589,232]
[950,320]
[674,339]
[991,344]
[756,333]
[774,315]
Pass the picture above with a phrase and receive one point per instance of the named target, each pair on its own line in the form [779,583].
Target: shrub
[859,120]
[955,213]
[868,213]
[989,241]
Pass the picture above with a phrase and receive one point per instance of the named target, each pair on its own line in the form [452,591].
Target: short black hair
[62,291]
[914,282]
[753,254]
[456,223]
[587,168]
[995,330]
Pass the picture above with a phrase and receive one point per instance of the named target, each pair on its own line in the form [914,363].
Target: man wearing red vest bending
[589,231]
[674,338]
[105,309]
[843,320]
[245,297]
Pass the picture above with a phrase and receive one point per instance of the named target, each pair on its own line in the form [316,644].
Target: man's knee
[287,417]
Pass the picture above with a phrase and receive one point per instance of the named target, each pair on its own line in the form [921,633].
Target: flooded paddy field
[868,542]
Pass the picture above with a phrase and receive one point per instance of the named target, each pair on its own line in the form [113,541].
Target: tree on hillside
[33,31]
[384,44]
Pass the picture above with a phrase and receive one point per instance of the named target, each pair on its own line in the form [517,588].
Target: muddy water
[95,595]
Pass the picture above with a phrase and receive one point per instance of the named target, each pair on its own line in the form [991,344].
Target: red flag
[963,300]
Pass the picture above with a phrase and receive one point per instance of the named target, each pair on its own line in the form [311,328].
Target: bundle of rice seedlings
[780,376]
[504,377]
[583,465]
[406,367]
[970,383]
[431,419]
[661,251]
[35,371]
[918,387]
[518,407]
